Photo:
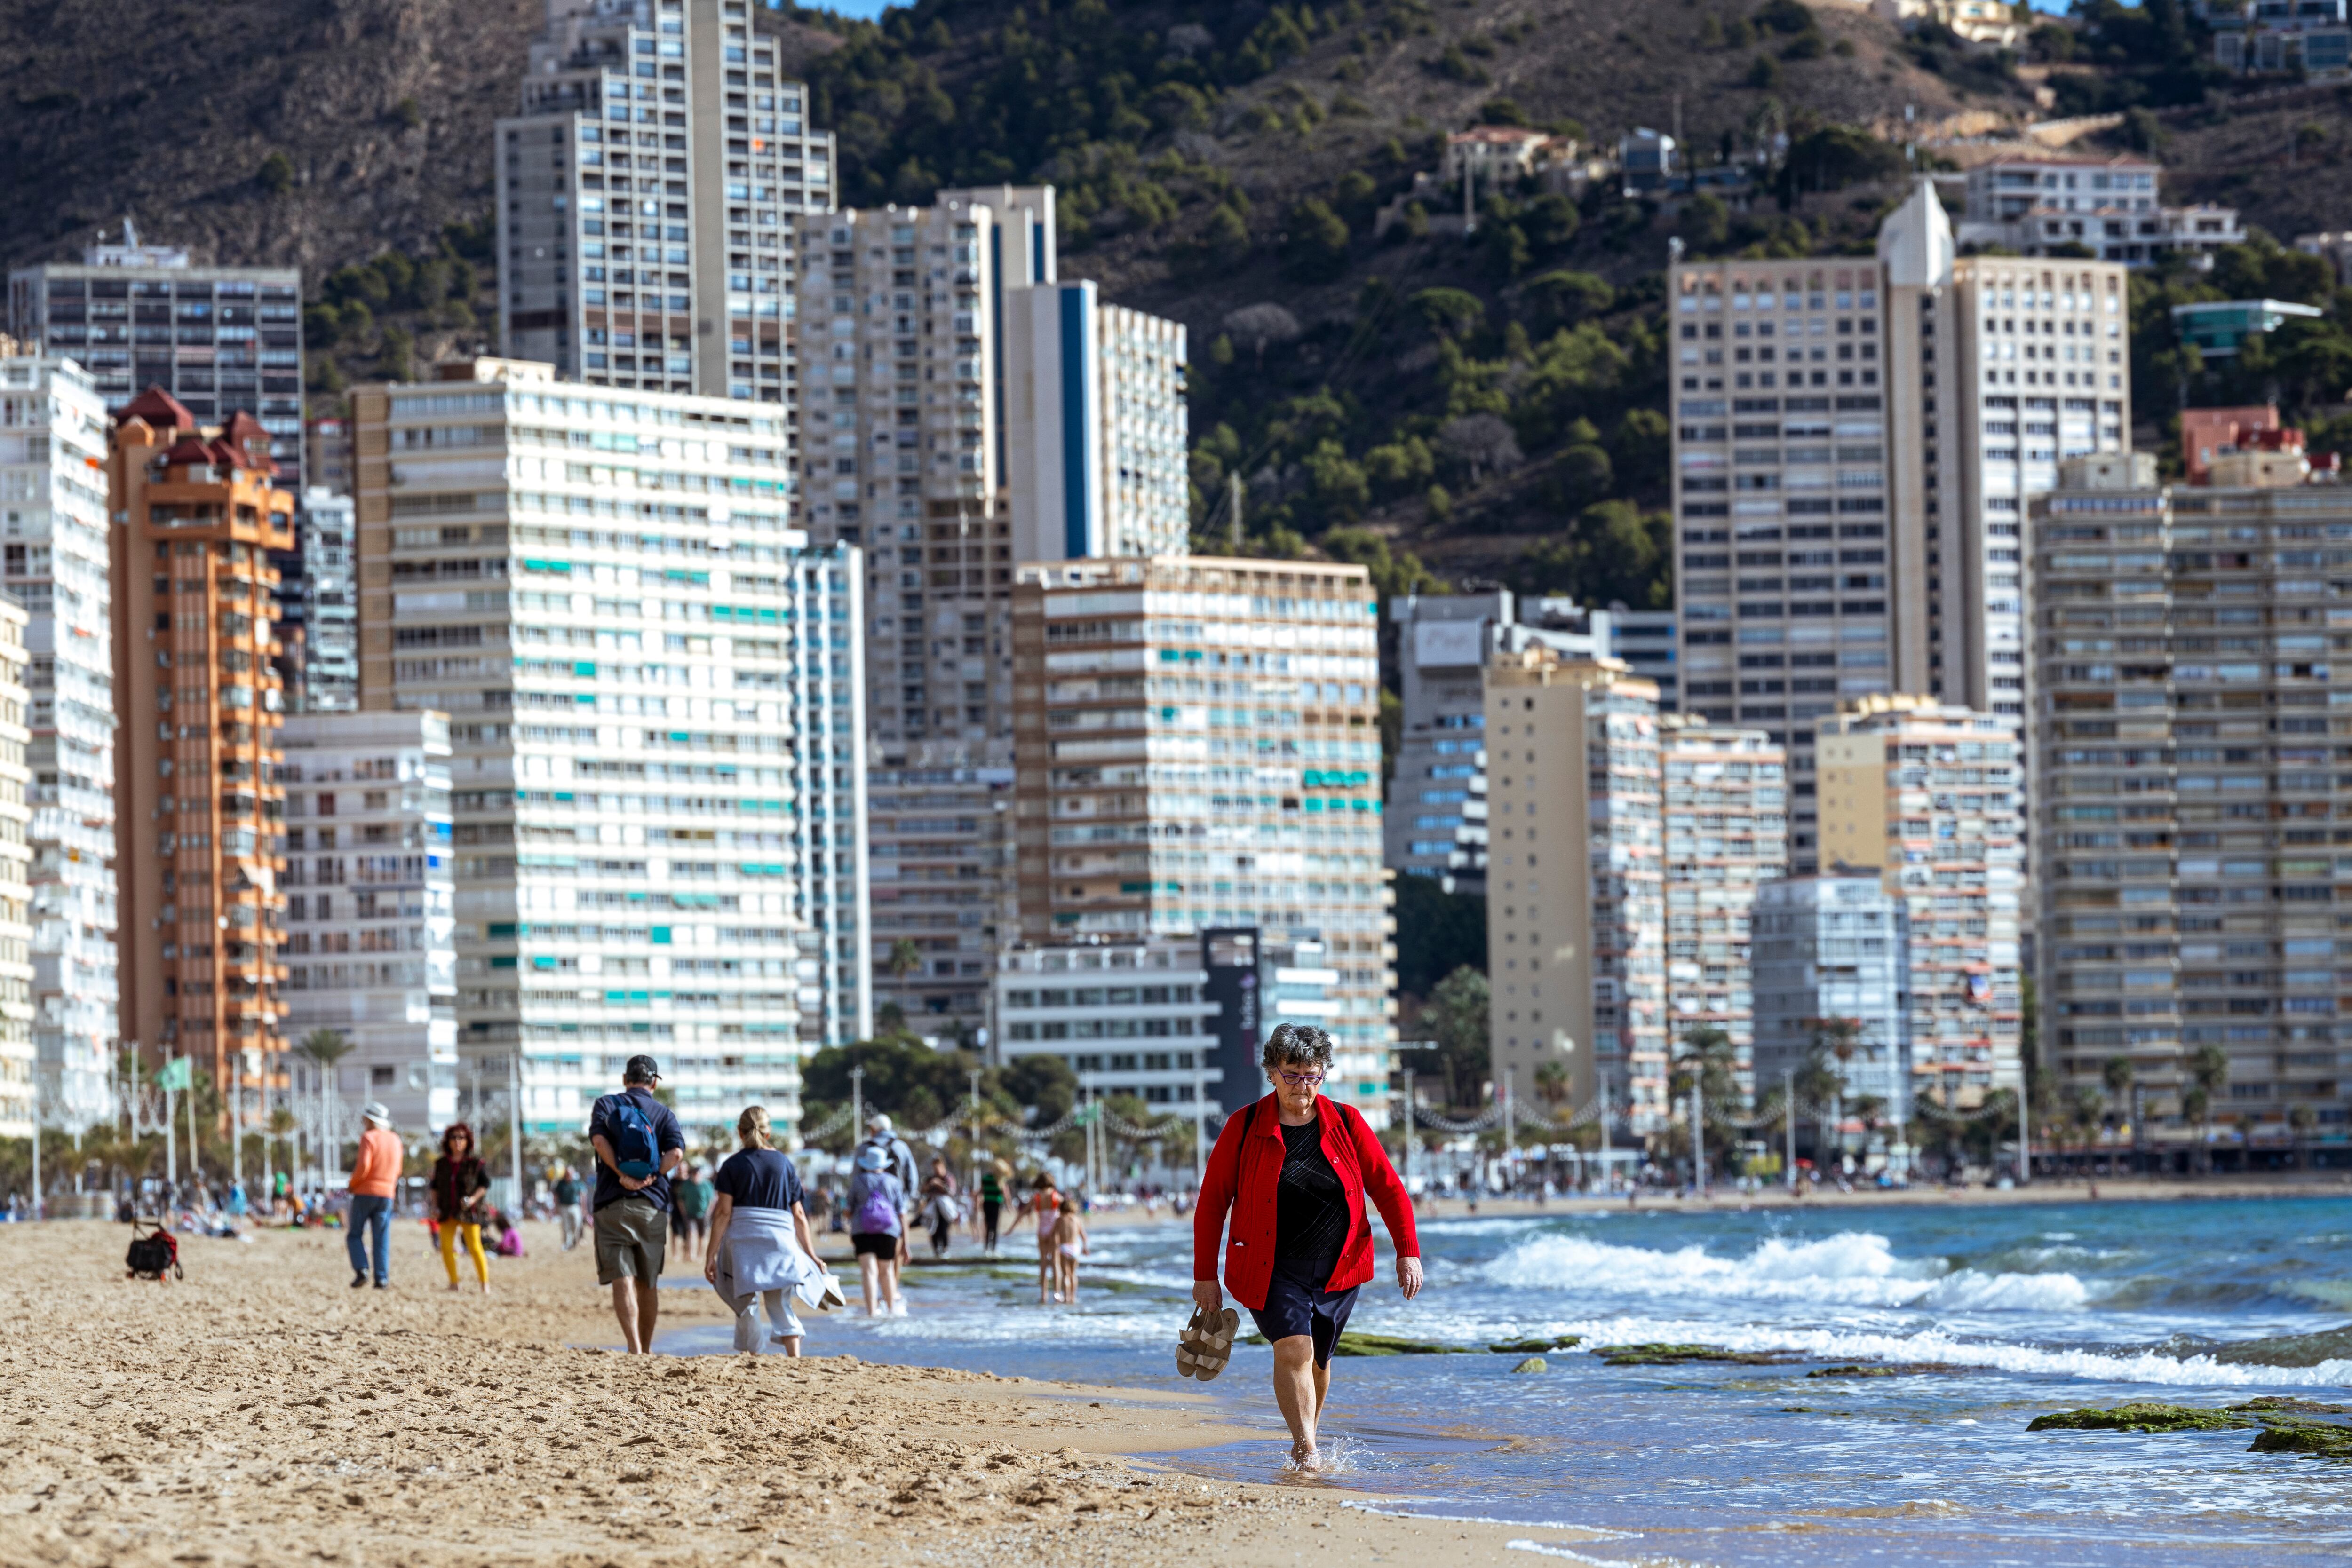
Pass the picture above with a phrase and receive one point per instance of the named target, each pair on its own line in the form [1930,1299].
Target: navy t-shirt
[760,1178]
[667,1136]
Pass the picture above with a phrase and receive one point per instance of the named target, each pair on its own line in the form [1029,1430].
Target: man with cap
[375,1175]
[638,1144]
[897,1157]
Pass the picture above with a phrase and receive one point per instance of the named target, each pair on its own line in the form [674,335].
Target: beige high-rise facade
[1576,910]
[1928,793]
[1726,833]
[199,811]
[2190,804]
[1857,442]
[1200,751]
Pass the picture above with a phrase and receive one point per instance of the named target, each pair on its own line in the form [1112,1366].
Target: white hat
[879,1122]
[374,1112]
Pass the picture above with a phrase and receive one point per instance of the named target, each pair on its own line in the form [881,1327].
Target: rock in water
[1532,1364]
[2141,1417]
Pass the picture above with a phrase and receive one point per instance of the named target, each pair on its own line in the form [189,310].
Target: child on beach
[1045,1205]
[1069,1242]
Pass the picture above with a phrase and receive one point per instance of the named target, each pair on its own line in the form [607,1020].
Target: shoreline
[260,1411]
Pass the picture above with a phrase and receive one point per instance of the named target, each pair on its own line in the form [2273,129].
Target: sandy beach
[263,1413]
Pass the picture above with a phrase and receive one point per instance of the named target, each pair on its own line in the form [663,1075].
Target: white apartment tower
[53,556]
[656,693]
[1727,834]
[647,189]
[1856,441]
[371,903]
[24,1102]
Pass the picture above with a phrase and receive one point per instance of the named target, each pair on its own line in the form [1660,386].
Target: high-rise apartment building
[327,455]
[199,813]
[1726,794]
[2112,208]
[1830,950]
[1856,440]
[1198,750]
[370,904]
[898,330]
[318,606]
[940,355]
[1930,794]
[2188,795]
[1095,424]
[1443,642]
[1576,911]
[647,189]
[53,560]
[655,695]
[29,1101]
[216,338]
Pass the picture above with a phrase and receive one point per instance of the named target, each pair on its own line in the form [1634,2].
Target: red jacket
[1246,1170]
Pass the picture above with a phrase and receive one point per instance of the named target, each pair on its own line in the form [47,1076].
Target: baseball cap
[640,1069]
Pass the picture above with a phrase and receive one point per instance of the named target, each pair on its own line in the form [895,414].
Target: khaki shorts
[632,1237]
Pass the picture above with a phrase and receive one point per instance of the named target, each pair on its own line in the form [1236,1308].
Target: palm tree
[2209,1070]
[1835,1039]
[2118,1073]
[906,957]
[2303,1118]
[326,1047]
[1709,1064]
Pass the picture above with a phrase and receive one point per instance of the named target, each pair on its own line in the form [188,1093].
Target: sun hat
[869,1158]
[374,1112]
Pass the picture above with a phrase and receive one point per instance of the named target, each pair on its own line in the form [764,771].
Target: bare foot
[1306,1456]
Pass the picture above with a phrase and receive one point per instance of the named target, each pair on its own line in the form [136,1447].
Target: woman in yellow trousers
[460,1193]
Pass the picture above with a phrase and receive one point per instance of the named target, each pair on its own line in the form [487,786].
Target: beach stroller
[153,1254]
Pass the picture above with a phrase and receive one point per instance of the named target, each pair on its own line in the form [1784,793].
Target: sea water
[1989,1315]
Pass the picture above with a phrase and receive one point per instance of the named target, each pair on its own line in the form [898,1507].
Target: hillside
[1494,406]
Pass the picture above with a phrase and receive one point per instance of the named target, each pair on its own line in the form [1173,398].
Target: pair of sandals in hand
[1206,1342]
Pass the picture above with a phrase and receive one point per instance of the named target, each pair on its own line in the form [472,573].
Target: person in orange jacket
[375,1178]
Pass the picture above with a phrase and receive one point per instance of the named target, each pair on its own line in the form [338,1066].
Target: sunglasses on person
[1300,1080]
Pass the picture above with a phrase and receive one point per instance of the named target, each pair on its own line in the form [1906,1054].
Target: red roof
[160,409]
[245,434]
[190,450]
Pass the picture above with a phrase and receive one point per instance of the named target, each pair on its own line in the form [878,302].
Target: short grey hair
[1296,1045]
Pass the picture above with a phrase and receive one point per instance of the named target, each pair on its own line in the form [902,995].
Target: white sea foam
[1852,1268]
[1935,1345]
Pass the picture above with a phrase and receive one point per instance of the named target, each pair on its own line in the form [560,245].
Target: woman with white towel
[761,1250]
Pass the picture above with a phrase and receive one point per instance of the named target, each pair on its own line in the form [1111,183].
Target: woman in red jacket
[1294,1169]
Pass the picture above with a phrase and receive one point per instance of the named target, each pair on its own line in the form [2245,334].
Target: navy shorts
[1295,1303]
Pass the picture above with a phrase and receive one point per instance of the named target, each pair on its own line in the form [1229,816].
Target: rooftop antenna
[130,232]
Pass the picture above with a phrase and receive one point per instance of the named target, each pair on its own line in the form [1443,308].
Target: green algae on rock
[2324,1439]
[1354,1344]
[1666,1354]
[2142,1417]
[1536,1346]
[1533,1363]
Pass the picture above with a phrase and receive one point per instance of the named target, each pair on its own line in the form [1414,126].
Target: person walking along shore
[460,1193]
[877,1203]
[761,1251]
[638,1144]
[375,1176]
[1292,1171]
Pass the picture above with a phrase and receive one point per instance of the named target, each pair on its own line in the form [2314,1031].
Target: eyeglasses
[1300,1080]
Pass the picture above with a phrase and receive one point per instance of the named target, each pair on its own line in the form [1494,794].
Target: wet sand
[263,1413]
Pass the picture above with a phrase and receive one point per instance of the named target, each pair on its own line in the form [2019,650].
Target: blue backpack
[631,1133]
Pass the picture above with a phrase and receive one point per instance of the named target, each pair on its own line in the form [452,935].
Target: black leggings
[989,1209]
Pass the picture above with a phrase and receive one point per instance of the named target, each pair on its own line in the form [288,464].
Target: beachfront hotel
[53,563]
[648,189]
[27,1102]
[371,903]
[1199,752]
[198,808]
[1576,910]
[2189,800]
[656,691]
[1856,443]
[1929,793]
[1726,797]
